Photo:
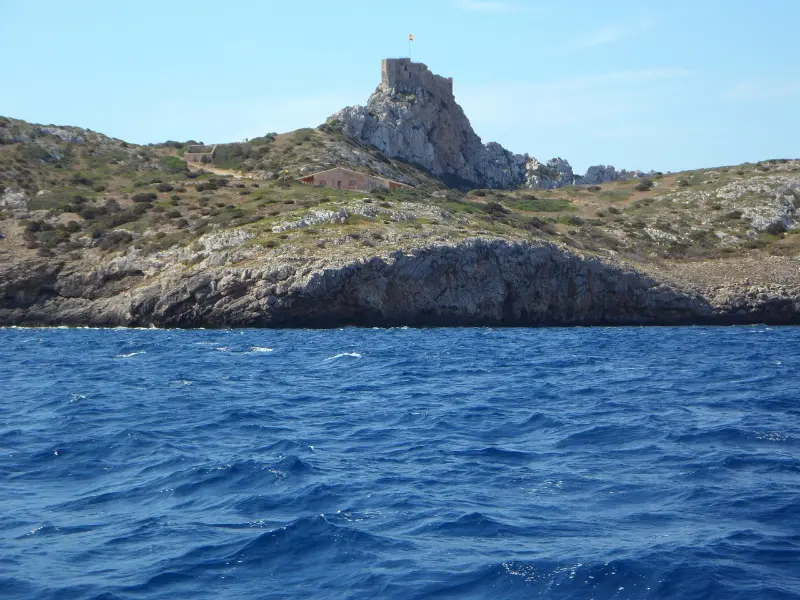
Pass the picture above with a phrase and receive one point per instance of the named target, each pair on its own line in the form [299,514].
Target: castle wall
[406,76]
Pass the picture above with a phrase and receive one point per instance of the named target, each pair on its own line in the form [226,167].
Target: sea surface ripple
[400,463]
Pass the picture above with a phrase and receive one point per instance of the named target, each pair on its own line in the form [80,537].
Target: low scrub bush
[79,179]
[115,240]
[92,212]
[495,209]
[144,197]
[776,228]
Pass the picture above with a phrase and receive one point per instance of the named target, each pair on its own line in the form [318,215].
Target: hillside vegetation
[83,197]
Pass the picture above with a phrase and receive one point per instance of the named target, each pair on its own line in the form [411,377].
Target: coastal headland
[435,228]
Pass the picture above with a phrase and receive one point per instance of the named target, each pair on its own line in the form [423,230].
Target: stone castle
[406,77]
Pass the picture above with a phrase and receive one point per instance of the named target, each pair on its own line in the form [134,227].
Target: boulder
[14,200]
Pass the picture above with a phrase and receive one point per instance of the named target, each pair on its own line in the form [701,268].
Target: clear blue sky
[667,85]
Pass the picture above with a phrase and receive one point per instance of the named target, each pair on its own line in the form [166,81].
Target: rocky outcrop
[557,172]
[414,116]
[476,282]
[13,200]
[605,173]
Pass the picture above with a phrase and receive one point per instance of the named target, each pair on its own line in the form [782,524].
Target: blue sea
[400,463]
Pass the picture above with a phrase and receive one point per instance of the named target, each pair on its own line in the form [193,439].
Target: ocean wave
[343,355]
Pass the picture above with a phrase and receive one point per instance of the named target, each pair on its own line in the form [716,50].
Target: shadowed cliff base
[474,283]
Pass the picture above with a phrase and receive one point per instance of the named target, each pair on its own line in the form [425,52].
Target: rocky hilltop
[96,231]
[413,116]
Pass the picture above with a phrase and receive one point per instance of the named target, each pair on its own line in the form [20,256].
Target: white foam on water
[131,354]
[259,349]
[180,382]
[222,349]
[343,354]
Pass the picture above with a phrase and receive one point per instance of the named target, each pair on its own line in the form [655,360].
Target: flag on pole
[410,37]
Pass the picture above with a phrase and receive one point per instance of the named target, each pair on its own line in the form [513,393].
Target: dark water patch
[499,455]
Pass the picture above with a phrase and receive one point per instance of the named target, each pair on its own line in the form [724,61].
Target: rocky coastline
[473,283]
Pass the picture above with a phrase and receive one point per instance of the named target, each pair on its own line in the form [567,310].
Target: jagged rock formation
[414,116]
[557,172]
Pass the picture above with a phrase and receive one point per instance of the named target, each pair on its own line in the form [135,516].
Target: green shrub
[534,204]
[116,239]
[776,228]
[206,186]
[164,188]
[92,212]
[79,179]
[495,208]
[232,156]
[144,197]
[172,164]
[645,185]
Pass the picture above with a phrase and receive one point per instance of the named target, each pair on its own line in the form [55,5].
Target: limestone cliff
[476,282]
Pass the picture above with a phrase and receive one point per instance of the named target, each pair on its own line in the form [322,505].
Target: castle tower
[406,77]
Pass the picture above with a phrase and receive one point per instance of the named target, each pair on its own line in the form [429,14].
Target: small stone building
[199,153]
[347,179]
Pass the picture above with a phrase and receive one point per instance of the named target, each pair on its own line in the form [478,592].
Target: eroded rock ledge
[475,282]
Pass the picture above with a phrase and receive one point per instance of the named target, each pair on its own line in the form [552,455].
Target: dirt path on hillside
[217,171]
